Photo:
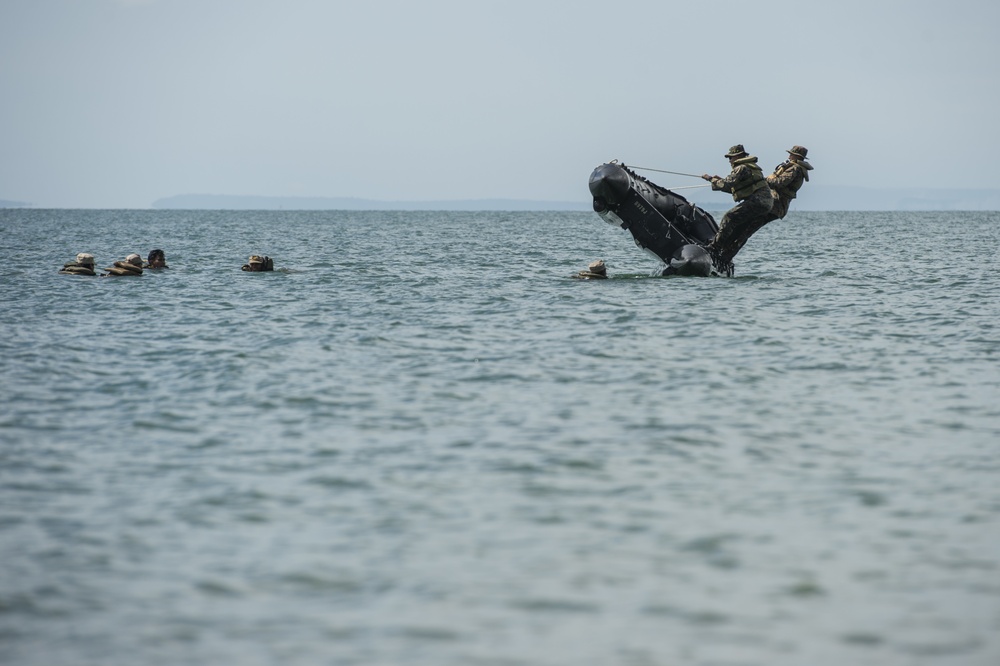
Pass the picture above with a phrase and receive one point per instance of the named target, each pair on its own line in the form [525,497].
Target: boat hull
[662,223]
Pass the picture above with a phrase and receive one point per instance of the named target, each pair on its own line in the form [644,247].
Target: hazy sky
[117,103]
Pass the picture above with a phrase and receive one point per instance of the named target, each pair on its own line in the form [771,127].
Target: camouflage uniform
[753,202]
[787,180]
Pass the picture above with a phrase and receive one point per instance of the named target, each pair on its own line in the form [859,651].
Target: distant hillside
[822,197]
[230,202]
[13,204]
[812,198]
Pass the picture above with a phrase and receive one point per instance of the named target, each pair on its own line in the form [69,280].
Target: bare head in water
[156,259]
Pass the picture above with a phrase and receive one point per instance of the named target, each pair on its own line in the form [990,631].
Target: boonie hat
[85,259]
[736,151]
[134,259]
[798,151]
[255,259]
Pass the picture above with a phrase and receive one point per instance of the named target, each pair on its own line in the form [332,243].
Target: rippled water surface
[419,441]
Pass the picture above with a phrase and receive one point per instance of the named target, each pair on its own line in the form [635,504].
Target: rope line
[669,222]
[675,173]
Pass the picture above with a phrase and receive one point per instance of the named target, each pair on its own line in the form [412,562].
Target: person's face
[157,262]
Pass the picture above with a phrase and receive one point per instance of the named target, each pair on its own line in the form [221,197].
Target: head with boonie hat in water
[82,265]
[596,270]
[258,263]
[131,266]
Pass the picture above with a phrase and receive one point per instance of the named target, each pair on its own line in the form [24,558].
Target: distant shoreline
[813,198]
[234,202]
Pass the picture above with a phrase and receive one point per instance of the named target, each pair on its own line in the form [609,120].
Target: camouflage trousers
[737,226]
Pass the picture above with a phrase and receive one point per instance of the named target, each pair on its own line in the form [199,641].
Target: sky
[118,103]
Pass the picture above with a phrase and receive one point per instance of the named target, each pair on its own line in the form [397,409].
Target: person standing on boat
[753,199]
[787,180]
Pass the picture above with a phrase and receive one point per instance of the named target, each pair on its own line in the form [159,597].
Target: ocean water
[419,441]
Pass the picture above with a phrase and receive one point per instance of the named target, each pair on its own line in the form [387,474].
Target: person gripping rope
[786,181]
[753,199]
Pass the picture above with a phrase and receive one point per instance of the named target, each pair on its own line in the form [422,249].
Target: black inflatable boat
[663,223]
